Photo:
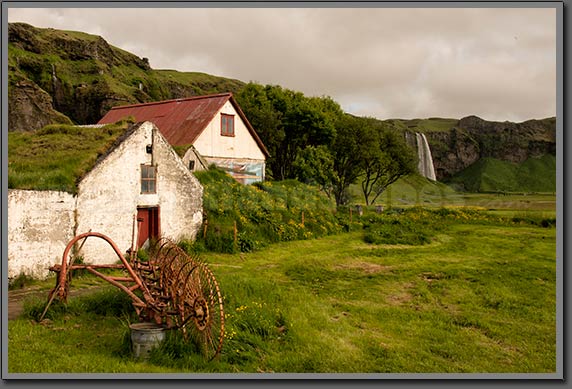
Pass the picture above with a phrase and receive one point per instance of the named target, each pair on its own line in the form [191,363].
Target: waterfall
[425,165]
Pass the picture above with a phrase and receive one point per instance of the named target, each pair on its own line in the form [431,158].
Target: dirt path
[17,297]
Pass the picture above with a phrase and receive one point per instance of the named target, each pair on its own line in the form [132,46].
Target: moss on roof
[58,156]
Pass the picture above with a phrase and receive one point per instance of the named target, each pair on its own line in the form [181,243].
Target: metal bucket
[145,337]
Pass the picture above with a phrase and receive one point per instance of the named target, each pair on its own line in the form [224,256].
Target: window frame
[144,181]
[225,119]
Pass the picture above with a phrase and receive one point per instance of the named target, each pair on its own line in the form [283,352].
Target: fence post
[302,218]
[350,215]
[206,224]
[235,233]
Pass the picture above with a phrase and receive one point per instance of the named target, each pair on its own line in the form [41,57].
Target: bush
[266,212]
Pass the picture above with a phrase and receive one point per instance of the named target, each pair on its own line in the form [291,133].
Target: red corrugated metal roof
[181,121]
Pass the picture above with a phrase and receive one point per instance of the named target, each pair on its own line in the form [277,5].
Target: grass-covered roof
[58,156]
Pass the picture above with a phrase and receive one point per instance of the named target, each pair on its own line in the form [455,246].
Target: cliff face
[31,107]
[66,76]
[513,142]
[472,138]
[452,151]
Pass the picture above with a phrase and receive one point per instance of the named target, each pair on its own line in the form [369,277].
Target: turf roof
[58,156]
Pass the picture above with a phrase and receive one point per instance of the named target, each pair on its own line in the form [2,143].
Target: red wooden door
[149,226]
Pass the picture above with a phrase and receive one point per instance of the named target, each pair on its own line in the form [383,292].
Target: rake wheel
[201,311]
[193,298]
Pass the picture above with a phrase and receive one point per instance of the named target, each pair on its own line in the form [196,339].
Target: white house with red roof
[213,126]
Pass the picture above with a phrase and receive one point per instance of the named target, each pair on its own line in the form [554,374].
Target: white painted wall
[40,224]
[109,195]
[191,155]
[180,194]
[212,144]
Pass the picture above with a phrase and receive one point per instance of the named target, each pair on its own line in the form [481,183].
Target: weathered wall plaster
[40,224]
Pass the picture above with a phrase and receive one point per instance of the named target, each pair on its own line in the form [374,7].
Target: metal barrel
[145,337]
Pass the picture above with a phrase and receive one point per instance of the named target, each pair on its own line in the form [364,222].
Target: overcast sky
[499,64]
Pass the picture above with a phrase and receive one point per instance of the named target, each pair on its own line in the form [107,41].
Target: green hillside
[263,213]
[82,76]
[493,175]
[423,125]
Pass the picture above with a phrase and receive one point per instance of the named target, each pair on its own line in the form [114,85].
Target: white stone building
[139,178]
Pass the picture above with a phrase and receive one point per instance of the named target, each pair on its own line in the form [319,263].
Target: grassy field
[479,297]
[415,190]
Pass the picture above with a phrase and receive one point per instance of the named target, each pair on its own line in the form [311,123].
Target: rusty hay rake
[170,289]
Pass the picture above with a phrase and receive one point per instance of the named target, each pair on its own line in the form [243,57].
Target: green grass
[424,125]
[411,190]
[493,175]
[477,298]
[202,83]
[57,156]
[414,190]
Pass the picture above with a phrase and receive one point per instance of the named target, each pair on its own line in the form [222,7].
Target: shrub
[266,212]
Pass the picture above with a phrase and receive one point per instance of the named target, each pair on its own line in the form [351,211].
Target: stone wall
[40,224]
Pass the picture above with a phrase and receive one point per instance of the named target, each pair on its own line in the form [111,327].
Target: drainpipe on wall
[153,134]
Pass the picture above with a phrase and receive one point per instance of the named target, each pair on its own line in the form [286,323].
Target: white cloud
[495,63]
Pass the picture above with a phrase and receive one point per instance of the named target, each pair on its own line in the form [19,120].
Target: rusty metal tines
[179,291]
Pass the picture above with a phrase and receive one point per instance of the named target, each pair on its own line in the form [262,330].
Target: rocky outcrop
[72,46]
[474,138]
[29,107]
[57,76]
[452,151]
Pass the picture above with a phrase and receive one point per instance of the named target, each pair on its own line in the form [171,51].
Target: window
[191,165]
[226,124]
[148,179]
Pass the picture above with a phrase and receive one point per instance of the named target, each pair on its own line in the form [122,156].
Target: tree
[345,150]
[385,157]
[264,117]
[315,165]
[288,122]
[365,148]
[311,139]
